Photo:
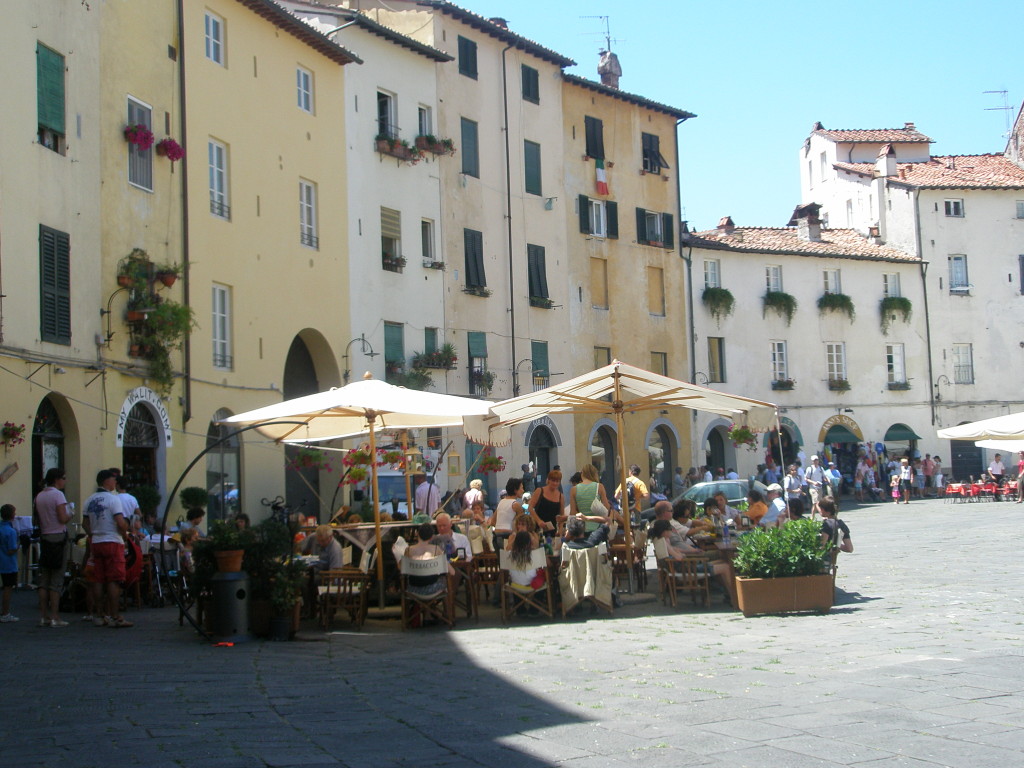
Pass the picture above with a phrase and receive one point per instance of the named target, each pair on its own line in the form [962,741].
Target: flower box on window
[838,385]
[170,149]
[392,263]
[434,145]
[478,290]
[784,384]
[139,135]
[431,264]
[541,303]
[899,385]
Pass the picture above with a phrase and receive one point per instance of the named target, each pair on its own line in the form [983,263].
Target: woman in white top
[505,513]
[475,493]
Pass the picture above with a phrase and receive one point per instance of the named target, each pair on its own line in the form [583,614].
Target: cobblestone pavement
[921,663]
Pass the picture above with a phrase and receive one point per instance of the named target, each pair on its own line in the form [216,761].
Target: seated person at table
[520,572]
[796,509]
[835,534]
[728,513]
[663,511]
[575,530]
[776,507]
[193,519]
[242,521]
[425,549]
[477,513]
[188,538]
[685,520]
[451,541]
[756,508]
[523,524]
[662,529]
[323,543]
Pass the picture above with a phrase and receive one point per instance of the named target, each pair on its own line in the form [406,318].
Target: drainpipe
[924,291]
[186,414]
[688,258]
[508,223]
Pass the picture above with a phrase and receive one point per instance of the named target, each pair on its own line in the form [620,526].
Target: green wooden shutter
[537,267]
[54,285]
[641,226]
[429,340]
[470,148]
[473,242]
[594,131]
[612,214]
[539,352]
[467,57]
[584,214]
[394,343]
[477,343]
[531,162]
[50,88]
[668,230]
[531,84]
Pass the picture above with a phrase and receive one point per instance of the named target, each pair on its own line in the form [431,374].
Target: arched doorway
[660,460]
[139,449]
[965,460]
[223,469]
[47,442]
[301,485]
[714,451]
[541,449]
[602,456]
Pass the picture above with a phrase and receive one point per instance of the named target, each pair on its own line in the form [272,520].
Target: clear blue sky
[759,74]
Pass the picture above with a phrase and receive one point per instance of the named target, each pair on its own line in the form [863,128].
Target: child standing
[8,560]
[894,485]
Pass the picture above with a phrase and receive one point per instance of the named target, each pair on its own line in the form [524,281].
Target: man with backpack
[636,491]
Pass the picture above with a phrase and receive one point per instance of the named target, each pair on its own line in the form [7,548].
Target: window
[50,98]
[954,207]
[599,217]
[891,284]
[217,157]
[140,161]
[773,278]
[599,283]
[427,240]
[541,369]
[849,213]
[654,228]
[394,350]
[531,84]
[473,242]
[594,132]
[650,146]
[958,282]
[810,174]
[822,165]
[425,121]
[470,149]
[386,120]
[712,273]
[304,85]
[537,267]
[656,291]
[430,340]
[716,359]
[1020,209]
[467,57]
[307,214]
[477,341]
[391,239]
[832,281]
[896,372]
[602,356]
[835,354]
[659,363]
[963,364]
[54,285]
[531,162]
[780,362]
[215,38]
[221,327]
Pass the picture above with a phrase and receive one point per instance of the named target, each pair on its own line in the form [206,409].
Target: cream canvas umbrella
[1007,427]
[359,408]
[631,389]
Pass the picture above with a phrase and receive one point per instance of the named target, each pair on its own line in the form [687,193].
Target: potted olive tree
[779,570]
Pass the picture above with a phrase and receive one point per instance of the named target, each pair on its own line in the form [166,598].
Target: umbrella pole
[778,430]
[409,505]
[376,510]
[624,504]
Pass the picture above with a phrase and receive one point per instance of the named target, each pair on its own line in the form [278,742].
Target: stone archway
[301,485]
[143,435]
[603,454]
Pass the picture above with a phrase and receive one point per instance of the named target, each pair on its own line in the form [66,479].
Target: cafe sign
[840,420]
[156,405]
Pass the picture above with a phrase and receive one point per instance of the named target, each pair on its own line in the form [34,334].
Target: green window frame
[531,84]
[541,368]
[473,241]
[50,96]
[470,149]
[536,261]
[467,57]
[531,163]
[54,285]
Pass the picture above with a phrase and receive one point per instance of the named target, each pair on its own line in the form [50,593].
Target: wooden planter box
[785,595]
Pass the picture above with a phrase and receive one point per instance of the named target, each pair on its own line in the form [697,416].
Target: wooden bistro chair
[487,573]
[438,603]
[676,576]
[514,596]
[585,575]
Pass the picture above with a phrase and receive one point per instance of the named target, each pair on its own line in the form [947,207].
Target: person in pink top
[51,512]
[1020,477]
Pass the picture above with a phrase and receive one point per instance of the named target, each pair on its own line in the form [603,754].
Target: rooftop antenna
[1005,109]
[608,39]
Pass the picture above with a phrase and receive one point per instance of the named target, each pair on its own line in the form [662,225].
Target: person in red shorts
[103,514]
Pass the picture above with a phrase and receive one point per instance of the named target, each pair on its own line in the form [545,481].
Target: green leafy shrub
[781,302]
[793,550]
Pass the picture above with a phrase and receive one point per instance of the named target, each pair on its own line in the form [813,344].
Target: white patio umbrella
[1010,446]
[1007,427]
[631,389]
[359,408]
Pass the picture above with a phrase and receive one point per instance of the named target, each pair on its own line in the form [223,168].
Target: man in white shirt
[732,474]
[428,496]
[104,520]
[776,506]
[835,480]
[447,536]
[997,470]
[707,478]
[814,477]
[128,502]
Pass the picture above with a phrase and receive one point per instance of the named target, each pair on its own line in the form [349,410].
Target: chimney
[609,69]
[726,225]
[909,127]
[499,22]
[808,225]
[885,163]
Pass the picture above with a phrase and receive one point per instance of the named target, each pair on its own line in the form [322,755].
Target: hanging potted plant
[139,135]
[890,306]
[837,302]
[170,149]
[719,302]
[782,303]
[490,463]
[168,274]
[12,434]
[310,458]
[742,436]
[482,379]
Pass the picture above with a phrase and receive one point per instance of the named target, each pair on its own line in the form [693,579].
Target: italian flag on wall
[602,178]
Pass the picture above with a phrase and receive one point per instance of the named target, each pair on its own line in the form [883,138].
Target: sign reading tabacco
[143,395]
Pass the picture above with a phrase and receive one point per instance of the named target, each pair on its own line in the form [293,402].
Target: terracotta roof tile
[632,98]
[882,135]
[834,243]
[961,172]
[283,19]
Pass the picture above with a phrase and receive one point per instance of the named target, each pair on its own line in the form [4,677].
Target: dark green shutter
[531,161]
[467,57]
[594,130]
[430,340]
[50,88]
[394,343]
[470,148]
[584,214]
[612,214]
[477,343]
[641,226]
[54,285]
[539,352]
[531,84]
[537,268]
[668,231]
[473,243]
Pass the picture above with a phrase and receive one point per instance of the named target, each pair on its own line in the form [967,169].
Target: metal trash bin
[230,606]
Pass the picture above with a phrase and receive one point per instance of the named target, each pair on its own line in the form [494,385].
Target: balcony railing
[309,239]
[220,208]
[963,374]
